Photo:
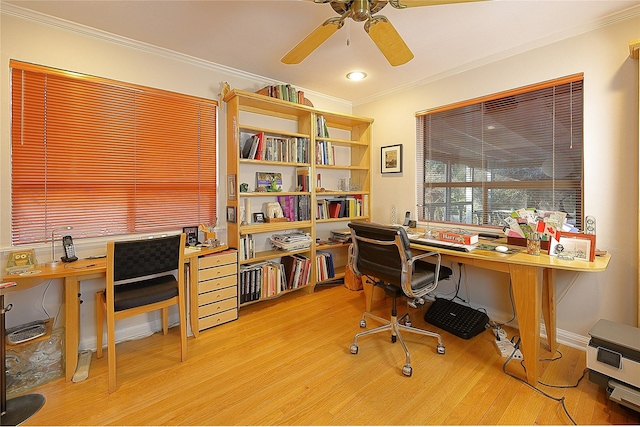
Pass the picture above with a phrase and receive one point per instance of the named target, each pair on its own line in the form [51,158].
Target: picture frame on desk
[391,159]
[191,235]
[575,245]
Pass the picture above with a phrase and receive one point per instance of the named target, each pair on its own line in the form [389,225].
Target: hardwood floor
[287,362]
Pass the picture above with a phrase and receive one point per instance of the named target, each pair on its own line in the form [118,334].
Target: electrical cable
[561,400]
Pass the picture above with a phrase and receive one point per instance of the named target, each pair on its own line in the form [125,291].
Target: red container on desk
[522,241]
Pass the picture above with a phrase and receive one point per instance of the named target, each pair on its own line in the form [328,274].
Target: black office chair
[382,253]
[140,279]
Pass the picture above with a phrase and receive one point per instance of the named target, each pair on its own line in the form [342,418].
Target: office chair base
[394,326]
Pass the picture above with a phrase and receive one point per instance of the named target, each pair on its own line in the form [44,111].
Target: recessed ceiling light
[356,75]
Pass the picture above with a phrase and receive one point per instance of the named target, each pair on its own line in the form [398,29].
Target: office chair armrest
[406,282]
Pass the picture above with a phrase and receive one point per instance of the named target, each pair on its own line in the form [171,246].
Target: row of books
[285,92]
[321,126]
[267,279]
[246,248]
[325,153]
[324,266]
[297,270]
[343,207]
[296,208]
[261,280]
[274,148]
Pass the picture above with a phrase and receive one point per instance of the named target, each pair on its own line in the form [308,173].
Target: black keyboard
[459,320]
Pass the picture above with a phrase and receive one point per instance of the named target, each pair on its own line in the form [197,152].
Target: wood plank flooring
[287,362]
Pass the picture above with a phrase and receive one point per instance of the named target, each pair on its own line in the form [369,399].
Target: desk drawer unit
[217,289]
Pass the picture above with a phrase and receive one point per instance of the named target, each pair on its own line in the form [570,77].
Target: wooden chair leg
[111,350]
[165,320]
[99,322]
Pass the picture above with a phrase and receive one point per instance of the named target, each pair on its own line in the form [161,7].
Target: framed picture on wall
[231,214]
[391,159]
[231,187]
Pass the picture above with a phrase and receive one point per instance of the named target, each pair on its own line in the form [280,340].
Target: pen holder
[533,245]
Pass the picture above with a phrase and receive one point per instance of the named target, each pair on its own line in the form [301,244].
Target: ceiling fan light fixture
[356,75]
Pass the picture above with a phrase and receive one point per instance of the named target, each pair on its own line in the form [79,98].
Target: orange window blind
[106,157]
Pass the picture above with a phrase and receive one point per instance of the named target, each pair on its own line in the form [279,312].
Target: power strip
[506,347]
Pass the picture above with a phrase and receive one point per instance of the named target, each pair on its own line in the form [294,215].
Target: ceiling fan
[383,34]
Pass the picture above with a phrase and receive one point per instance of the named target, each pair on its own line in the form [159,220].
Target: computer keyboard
[443,245]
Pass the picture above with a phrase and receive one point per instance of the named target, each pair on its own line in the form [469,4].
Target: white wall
[45,41]
[610,164]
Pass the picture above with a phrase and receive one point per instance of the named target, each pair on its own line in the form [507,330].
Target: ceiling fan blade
[385,36]
[401,4]
[312,41]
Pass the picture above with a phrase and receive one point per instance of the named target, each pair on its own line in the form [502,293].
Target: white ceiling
[252,36]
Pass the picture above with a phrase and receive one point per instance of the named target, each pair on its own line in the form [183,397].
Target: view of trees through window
[479,160]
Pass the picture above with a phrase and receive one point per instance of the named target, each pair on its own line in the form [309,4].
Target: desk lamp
[53,248]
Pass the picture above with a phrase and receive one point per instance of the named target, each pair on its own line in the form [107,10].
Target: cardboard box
[461,238]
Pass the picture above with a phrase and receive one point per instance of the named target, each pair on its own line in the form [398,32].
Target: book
[303,181]
[260,149]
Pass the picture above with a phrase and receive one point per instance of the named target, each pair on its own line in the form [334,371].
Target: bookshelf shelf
[345,147]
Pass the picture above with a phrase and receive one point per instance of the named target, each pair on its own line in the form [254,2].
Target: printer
[613,360]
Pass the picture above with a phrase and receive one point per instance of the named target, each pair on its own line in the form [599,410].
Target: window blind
[480,159]
[107,157]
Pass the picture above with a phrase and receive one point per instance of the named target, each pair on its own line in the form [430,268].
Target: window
[479,160]
[107,157]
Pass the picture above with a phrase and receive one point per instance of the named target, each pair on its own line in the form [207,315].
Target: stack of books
[291,241]
[340,236]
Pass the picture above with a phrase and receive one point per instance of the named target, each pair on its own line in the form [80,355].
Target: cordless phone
[407,218]
[69,250]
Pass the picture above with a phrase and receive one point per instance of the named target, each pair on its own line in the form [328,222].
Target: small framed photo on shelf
[231,187]
[258,217]
[391,159]
[573,246]
[231,214]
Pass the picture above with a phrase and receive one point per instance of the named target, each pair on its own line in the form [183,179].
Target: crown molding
[630,13]
[86,31]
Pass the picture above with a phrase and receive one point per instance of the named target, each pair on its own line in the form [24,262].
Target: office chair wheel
[363,323]
[408,322]
[394,338]
[407,370]
[353,349]
[440,349]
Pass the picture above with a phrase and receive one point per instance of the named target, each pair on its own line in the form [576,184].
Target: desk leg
[526,282]
[193,296]
[549,307]
[72,325]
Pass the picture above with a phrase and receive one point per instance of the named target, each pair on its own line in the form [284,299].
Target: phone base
[69,259]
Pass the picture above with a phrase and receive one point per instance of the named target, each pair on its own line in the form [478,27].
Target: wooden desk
[533,284]
[72,274]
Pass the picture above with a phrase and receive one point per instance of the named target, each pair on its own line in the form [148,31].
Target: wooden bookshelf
[350,138]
